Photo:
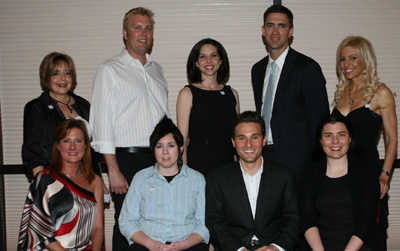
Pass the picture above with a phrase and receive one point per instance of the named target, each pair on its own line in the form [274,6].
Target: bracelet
[386,172]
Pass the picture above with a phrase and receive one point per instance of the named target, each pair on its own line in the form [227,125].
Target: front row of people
[253,204]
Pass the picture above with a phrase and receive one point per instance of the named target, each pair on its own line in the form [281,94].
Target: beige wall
[90,32]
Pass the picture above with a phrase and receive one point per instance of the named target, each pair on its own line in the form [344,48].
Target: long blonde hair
[369,79]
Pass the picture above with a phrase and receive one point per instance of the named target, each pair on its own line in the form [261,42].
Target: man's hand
[268,248]
[118,183]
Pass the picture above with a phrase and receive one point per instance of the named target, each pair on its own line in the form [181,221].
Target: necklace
[66,104]
[351,100]
[73,178]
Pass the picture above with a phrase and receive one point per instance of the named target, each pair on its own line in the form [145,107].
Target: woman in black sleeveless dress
[367,104]
[206,108]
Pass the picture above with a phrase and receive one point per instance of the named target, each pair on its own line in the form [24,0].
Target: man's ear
[124,34]
[233,143]
[265,140]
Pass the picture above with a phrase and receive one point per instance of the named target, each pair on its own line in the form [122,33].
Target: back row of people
[289,91]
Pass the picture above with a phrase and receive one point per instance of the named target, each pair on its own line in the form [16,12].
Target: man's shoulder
[221,172]
[117,59]
[300,57]
[261,62]
[277,169]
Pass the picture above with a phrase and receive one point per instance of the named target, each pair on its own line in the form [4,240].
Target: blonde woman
[368,104]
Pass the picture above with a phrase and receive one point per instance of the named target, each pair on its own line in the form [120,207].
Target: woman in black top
[56,104]
[339,195]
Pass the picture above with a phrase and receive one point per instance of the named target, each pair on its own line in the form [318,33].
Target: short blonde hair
[138,11]
[370,79]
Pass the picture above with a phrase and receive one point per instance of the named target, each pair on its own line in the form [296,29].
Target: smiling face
[166,152]
[335,140]
[72,147]
[351,64]
[60,81]
[249,143]
[209,61]
[277,32]
[139,36]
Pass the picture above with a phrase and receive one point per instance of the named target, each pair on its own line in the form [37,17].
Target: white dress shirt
[128,100]
[279,63]
[252,184]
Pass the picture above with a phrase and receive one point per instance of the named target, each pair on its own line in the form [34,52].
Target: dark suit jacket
[228,212]
[300,103]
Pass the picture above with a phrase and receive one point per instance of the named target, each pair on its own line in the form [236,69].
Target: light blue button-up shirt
[165,211]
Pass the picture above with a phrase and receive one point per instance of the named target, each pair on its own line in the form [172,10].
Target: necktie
[268,99]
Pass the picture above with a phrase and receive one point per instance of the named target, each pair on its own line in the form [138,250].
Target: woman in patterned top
[64,206]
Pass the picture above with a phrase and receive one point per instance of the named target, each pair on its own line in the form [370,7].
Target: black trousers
[198,247]
[129,164]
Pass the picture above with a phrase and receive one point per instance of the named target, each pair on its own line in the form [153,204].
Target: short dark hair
[248,117]
[49,66]
[163,128]
[194,73]
[335,117]
[277,8]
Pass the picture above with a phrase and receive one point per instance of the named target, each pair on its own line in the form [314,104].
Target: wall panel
[90,32]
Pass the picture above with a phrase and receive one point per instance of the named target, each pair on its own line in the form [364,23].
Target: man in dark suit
[291,96]
[252,204]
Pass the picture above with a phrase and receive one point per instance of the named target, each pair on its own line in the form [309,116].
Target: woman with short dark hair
[164,208]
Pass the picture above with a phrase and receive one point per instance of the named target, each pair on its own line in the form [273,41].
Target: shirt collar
[280,60]
[259,171]
[126,58]
[183,171]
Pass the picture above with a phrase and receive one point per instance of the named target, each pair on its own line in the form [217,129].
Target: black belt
[134,149]
[269,148]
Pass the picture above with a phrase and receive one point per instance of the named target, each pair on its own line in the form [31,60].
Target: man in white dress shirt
[130,97]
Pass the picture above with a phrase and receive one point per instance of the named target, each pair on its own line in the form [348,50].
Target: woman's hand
[384,183]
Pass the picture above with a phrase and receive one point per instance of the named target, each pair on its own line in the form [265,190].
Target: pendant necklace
[73,178]
[351,100]
[66,104]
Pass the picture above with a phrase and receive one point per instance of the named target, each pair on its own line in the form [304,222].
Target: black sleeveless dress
[210,128]
[367,125]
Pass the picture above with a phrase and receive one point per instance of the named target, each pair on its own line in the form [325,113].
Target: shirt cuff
[280,249]
[104,147]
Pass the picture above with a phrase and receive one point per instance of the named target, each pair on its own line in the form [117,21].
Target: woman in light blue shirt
[165,205]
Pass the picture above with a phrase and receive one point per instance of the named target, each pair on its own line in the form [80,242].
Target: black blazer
[228,212]
[41,117]
[301,101]
[364,191]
